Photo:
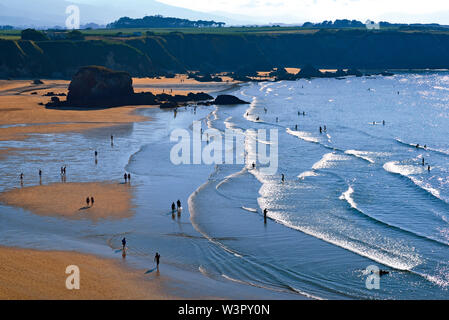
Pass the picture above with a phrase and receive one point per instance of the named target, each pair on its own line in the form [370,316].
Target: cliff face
[178,52]
[95,83]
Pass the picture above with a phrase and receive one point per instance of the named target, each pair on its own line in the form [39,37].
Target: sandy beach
[32,274]
[68,200]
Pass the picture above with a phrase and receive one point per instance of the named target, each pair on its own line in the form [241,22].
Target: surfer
[96,153]
[324,128]
[296,127]
[123,243]
[423,161]
[257,119]
[417,146]
[265,215]
[21,176]
[283,177]
[254,165]
[428,168]
[157,257]
[383,122]
[425,146]
[383,272]
[173,207]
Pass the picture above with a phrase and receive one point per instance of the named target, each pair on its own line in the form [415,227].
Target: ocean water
[354,196]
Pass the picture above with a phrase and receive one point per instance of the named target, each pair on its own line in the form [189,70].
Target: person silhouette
[157,258]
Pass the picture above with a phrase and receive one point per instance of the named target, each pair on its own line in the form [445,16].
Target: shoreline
[40,121]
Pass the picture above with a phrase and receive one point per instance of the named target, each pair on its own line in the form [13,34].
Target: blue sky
[318,10]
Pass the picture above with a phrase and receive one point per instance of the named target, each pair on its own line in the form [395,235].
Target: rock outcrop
[99,87]
[228,99]
[94,84]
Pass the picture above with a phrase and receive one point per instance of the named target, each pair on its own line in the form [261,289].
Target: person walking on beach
[157,257]
[87,201]
[296,127]
[178,204]
[92,200]
[21,177]
[125,177]
[123,243]
[64,172]
[40,173]
[129,177]
[96,154]
[282,177]
[173,207]
[265,215]
[428,168]
[321,130]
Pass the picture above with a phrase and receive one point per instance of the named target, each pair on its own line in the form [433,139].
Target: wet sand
[32,274]
[68,200]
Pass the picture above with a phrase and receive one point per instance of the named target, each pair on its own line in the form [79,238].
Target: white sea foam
[347,195]
[306,136]
[329,160]
[402,169]
[361,154]
[305,174]
[401,258]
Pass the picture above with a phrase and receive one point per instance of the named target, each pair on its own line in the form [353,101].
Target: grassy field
[138,32]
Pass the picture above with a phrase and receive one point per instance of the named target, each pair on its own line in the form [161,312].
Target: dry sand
[68,200]
[32,274]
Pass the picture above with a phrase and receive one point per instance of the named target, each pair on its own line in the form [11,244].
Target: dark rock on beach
[99,87]
[228,99]
[94,83]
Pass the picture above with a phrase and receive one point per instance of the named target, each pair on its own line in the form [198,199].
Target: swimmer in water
[428,168]
[283,177]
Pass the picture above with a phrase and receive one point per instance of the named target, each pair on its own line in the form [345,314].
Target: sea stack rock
[309,72]
[95,84]
[228,99]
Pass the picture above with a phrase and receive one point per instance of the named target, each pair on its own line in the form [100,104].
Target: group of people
[90,201]
[176,207]
[323,129]
[157,256]
[127,177]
